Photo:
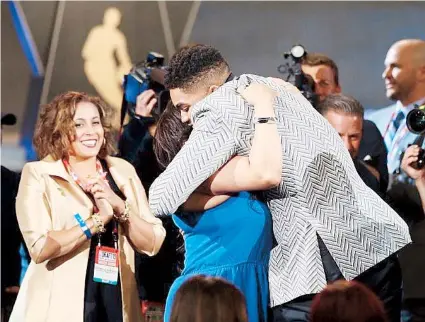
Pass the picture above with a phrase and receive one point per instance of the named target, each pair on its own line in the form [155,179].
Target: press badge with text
[106,265]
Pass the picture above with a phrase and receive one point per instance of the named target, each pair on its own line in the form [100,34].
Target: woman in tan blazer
[76,191]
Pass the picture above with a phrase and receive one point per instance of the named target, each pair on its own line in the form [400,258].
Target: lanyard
[399,137]
[389,124]
[102,174]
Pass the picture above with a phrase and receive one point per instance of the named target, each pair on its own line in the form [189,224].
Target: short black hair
[340,103]
[193,64]
[317,59]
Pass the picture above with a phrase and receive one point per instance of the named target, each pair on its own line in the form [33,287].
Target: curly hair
[195,65]
[55,126]
[170,135]
[316,59]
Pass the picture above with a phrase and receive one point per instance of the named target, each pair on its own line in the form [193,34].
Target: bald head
[412,48]
[404,72]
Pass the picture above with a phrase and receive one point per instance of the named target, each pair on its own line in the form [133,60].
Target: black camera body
[294,74]
[415,122]
[148,74]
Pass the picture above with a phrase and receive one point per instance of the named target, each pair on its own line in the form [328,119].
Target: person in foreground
[327,223]
[208,299]
[82,214]
[228,236]
[347,301]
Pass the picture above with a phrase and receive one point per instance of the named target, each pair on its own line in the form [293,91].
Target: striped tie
[396,124]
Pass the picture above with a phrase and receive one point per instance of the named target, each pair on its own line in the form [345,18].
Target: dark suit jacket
[373,145]
[11,237]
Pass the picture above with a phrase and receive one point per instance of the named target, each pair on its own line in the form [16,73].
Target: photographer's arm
[410,156]
[139,129]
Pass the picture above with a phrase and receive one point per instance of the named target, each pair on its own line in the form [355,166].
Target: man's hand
[410,156]
[12,289]
[288,86]
[145,102]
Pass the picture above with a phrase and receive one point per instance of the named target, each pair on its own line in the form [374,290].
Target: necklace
[100,173]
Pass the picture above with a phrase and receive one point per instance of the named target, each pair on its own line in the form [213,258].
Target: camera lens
[416,121]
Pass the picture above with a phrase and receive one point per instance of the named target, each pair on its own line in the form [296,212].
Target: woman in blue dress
[228,236]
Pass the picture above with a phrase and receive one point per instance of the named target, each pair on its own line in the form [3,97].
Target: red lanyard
[389,124]
[400,136]
[99,170]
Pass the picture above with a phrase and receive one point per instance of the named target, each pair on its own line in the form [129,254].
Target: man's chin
[392,95]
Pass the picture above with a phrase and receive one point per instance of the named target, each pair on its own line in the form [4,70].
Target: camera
[148,74]
[294,74]
[415,122]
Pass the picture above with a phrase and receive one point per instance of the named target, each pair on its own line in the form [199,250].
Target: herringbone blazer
[320,192]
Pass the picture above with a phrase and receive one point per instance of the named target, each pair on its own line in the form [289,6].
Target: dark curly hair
[55,126]
[196,65]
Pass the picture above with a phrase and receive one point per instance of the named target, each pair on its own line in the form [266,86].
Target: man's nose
[386,73]
[347,143]
[185,117]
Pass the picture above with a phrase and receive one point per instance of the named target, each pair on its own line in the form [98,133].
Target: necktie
[396,124]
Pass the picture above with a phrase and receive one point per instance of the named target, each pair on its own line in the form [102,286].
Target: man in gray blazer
[327,223]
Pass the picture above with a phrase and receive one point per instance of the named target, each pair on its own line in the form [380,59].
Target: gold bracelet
[125,215]
[98,223]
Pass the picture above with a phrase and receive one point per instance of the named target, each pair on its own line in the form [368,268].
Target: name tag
[106,265]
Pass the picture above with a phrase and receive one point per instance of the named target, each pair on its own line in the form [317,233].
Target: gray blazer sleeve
[209,147]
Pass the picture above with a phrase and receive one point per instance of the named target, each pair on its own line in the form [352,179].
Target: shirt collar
[408,108]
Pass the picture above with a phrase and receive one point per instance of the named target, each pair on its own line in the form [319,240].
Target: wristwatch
[262,120]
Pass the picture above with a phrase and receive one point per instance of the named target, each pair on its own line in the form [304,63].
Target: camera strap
[124,107]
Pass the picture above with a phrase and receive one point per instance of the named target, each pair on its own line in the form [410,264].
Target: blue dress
[232,241]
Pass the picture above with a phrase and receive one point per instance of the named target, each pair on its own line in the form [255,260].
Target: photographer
[135,144]
[154,274]
[412,260]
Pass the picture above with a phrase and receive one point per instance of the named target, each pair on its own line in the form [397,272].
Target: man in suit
[345,114]
[325,74]
[327,223]
[404,76]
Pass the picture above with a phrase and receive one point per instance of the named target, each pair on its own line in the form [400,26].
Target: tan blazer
[47,200]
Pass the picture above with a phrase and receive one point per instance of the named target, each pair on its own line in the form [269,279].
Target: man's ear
[338,89]
[212,88]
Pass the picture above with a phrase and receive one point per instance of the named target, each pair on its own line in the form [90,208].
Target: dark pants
[384,279]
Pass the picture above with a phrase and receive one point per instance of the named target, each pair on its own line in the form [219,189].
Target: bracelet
[98,223]
[125,215]
[268,120]
[83,226]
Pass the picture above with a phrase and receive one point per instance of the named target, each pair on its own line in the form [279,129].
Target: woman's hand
[257,94]
[102,192]
[105,210]
[410,156]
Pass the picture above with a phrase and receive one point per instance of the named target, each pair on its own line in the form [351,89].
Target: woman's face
[89,132]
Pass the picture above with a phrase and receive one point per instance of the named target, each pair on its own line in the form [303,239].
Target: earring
[104,141]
